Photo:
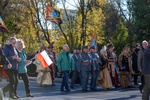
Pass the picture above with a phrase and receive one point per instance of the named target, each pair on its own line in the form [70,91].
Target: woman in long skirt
[105,79]
[112,59]
[125,66]
[44,76]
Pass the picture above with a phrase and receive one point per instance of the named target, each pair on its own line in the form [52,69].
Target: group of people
[15,63]
[103,68]
[88,63]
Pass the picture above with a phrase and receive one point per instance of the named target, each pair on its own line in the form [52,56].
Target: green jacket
[65,63]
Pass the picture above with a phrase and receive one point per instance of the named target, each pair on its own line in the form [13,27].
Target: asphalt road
[53,93]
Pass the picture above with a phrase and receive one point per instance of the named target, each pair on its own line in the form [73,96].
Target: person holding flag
[44,76]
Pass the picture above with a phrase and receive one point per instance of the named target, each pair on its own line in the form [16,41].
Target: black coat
[134,60]
[3,60]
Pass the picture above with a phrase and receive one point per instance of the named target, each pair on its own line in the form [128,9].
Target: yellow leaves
[101,2]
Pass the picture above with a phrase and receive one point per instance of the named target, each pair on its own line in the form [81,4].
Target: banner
[2,26]
[93,41]
[44,59]
[53,15]
[1,21]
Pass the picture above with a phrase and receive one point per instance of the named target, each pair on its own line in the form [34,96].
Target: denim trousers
[65,79]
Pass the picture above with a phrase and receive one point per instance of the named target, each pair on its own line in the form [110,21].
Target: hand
[59,71]
[18,59]
[94,69]
[14,57]
[27,61]
[9,66]
[79,71]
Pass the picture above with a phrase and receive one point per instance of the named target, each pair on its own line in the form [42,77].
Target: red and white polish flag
[44,59]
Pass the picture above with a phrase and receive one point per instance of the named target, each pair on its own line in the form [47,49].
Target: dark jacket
[134,60]
[3,59]
[140,58]
[146,61]
[9,52]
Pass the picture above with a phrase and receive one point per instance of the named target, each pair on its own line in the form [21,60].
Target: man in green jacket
[65,64]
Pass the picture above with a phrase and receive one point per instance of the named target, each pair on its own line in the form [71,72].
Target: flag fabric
[44,59]
[1,21]
[2,26]
[93,40]
[53,15]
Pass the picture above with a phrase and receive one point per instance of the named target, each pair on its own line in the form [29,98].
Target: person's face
[13,43]
[126,51]
[92,50]
[85,50]
[66,49]
[111,49]
[20,46]
[138,46]
[78,51]
[50,49]
[144,45]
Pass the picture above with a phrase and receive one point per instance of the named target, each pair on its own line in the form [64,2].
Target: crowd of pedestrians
[87,65]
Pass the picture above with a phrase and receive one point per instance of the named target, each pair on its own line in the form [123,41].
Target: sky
[70,4]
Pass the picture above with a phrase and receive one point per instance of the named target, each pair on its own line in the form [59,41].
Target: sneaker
[13,97]
[17,96]
[29,95]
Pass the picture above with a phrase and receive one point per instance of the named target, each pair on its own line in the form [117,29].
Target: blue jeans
[65,79]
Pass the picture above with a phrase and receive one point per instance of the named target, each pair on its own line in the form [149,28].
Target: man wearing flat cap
[95,68]
[75,72]
[84,63]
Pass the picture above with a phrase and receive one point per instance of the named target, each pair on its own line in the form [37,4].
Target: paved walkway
[53,93]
